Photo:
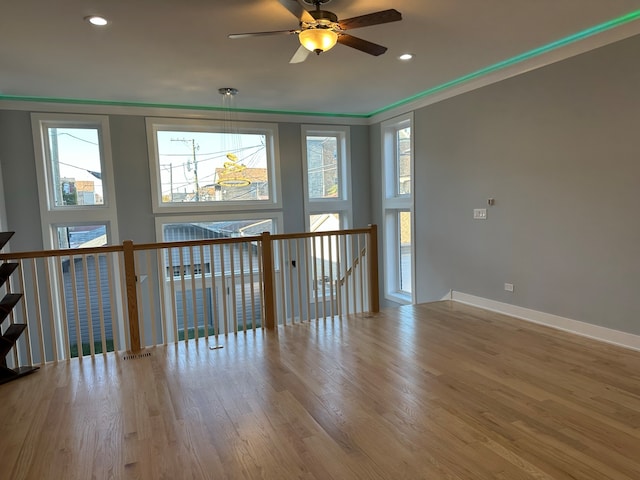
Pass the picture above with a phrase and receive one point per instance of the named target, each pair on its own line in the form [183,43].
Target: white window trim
[392,205]
[154,124]
[51,216]
[342,205]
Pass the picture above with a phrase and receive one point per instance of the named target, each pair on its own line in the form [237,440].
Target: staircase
[11,334]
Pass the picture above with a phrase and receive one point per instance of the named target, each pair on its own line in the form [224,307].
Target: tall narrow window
[397,205]
[78,210]
[327,200]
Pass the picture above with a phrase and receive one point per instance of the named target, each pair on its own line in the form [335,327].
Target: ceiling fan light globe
[314,39]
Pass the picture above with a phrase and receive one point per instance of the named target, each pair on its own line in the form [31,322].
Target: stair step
[7,303]
[13,332]
[4,238]
[6,269]
[10,337]
[8,374]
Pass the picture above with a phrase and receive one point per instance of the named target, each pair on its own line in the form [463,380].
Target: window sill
[399,297]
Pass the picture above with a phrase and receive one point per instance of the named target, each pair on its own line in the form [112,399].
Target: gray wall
[19,177]
[361,176]
[133,181]
[559,150]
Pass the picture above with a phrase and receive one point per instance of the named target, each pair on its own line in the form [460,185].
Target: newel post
[132,294]
[267,272]
[372,255]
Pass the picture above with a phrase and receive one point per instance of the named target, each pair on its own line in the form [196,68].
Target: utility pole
[169,167]
[194,148]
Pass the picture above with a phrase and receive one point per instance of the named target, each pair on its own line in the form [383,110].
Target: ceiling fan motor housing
[323,18]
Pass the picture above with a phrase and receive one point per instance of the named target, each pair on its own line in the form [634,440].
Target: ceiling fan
[319,30]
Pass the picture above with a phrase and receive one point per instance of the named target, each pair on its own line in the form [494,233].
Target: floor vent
[136,355]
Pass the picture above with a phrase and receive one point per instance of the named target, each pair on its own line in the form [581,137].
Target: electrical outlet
[480,213]
[508,287]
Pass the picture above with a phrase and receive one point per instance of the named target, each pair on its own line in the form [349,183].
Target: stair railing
[85,302]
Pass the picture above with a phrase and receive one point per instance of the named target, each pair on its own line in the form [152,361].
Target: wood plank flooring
[435,391]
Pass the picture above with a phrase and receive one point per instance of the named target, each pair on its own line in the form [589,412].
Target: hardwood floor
[435,391]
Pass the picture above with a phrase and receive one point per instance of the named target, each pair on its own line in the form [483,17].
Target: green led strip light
[79,101]
[616,22]
[517,59]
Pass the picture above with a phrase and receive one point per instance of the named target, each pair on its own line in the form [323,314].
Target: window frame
[341,205]
[393,204]
[270,130]
[53,216]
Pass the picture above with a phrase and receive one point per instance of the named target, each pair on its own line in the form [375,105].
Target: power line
[78,138]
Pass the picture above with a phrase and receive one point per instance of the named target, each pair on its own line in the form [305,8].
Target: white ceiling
[176,52]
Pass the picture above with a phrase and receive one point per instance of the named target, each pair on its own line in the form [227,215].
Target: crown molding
[113,108]
[548,55]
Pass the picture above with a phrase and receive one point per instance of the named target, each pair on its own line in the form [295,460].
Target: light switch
[480,213]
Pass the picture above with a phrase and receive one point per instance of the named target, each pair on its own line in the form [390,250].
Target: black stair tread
[8,374]
[6,269]
[13,332]
[7,303]
[4,238]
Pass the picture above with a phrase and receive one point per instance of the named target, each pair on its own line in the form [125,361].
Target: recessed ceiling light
[406,56]
[96,20]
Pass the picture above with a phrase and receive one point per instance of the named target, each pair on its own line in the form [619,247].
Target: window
[197,164]
[81,236]
[75,180]
[78,210]
[327,199]
[397,205]
[326,177]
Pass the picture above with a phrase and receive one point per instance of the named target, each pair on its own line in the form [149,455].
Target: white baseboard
[595,332]
[448,296]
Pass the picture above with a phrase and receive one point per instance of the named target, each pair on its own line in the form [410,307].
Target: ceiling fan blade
[297,8]
[262,34]
[300,55]
[384,16]
[362,45]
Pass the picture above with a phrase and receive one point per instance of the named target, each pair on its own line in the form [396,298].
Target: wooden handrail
[355,263]
[196,243]
[69,252]
[351,231]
